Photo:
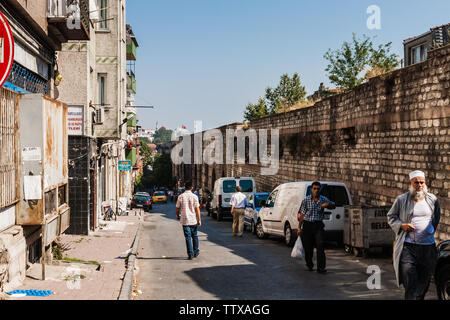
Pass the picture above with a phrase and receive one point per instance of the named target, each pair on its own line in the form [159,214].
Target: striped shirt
[187,202]
[312,210]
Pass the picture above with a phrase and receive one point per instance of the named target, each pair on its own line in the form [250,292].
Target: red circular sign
[6,49]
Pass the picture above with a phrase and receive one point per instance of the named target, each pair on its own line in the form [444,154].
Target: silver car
[251,212]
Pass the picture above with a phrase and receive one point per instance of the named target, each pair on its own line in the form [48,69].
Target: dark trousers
[417,264]
[312,235]
[190,234]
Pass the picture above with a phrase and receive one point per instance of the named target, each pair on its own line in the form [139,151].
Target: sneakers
[190,257]
[323,271]
[196,254]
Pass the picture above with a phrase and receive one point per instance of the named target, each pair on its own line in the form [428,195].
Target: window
[337,194]
[103,7]
[260,198]
[229,186]
[419,53]
[102,89]
[246,185]
[271,200]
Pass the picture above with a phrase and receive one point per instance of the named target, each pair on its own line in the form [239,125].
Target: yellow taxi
[159,196]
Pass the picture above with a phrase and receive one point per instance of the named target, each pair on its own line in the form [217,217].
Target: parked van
[224,189]
[279,214]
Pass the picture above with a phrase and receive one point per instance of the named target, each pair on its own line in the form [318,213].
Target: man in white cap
[414,218]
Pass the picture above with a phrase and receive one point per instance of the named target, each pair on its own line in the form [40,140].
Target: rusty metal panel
[9,158]
[55,143]
[65,221]
[52,230]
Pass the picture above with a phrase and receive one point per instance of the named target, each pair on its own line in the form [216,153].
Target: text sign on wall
[6,49]
[125,165]
[75,120]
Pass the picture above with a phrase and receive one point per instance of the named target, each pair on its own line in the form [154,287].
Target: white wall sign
[32,187]
[75,120]
[31,154]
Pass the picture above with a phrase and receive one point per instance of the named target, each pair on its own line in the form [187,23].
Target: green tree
[288,92]
[162,135]
[255,111]
[346,65]
[146,153]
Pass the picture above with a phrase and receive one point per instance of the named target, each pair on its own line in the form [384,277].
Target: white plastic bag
[297,251]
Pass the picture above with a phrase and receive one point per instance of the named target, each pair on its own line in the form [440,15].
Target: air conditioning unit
[99,115]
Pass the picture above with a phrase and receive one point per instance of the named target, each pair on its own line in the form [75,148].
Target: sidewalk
[99,268]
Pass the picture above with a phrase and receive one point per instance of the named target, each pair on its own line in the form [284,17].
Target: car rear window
[158,194]
[229,186]
[141,198]
[337,194]
[246,185]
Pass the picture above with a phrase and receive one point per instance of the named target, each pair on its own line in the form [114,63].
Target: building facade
[34,206]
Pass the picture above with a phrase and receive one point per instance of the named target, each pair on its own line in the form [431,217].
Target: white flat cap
[416,174]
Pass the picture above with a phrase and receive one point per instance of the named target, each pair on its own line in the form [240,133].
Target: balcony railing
[69,19]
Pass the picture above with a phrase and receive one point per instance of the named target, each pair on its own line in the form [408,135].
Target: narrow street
[245,268]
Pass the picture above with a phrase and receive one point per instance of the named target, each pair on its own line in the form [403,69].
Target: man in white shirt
[188,210]
[414,217]
[238,203]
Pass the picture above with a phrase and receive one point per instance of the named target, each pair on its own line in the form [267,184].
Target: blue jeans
[417,264]
[190,233]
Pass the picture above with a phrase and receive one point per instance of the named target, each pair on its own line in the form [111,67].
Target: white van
[279,215]
[224,189]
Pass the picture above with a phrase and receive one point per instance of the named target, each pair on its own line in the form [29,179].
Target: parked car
[141,201]
[224,189]
[159,196]
[278,216]
[442,271]
[142,194]
[256,201]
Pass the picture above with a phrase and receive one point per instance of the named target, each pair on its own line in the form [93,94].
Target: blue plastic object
[32,293]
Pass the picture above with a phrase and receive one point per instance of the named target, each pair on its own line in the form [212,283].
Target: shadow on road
[251,268]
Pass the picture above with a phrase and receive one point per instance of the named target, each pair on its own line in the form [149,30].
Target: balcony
[132,156]
[68,19]
[132,44]
[131,82]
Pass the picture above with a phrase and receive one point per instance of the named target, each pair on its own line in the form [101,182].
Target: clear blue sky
[206,59]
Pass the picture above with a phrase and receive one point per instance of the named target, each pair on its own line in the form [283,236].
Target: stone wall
[370,138]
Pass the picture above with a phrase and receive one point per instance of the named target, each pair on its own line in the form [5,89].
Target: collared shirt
[187,202]
[312,210]
[239,200]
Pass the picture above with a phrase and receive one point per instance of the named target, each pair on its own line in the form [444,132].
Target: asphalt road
[246,268]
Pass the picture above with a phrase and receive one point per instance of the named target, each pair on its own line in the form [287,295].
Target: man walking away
[311,226]
[238,204]
[190,219]
[414,218]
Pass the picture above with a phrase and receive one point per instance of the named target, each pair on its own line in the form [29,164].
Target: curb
[127,283]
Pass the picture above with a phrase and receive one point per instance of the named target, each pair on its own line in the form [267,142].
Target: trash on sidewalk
[32,293]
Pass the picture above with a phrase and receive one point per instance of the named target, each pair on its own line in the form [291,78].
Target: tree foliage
[288,93]
[162,135]
[346,65]
[255,111]
[146,153]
